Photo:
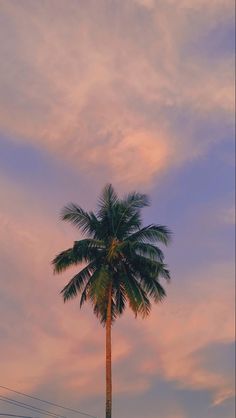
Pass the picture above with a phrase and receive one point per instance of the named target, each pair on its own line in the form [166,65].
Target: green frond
[152,233]
[96,291]
[152,287]
[107,205]
[127,220]
[120,298]
[64,260]
[145,266]
[107,201]
[83,251]
[86,222]
[98,288]
[84,293]
[147,272]
[77,283]
[147,250]
[160,292]
[100,310]
[88,249]
[127,214]
[163,272]
[136,200]
[136,295]
[108,197]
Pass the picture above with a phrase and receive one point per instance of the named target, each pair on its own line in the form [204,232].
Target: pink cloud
[189,322]
[83,93]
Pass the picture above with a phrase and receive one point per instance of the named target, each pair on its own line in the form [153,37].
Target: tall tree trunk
[108,358]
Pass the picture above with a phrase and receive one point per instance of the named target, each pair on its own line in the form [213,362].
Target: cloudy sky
[138,93]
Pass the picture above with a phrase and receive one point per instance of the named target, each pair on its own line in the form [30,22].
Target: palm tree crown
[121,257]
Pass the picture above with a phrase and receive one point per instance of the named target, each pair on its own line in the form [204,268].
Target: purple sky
[138,93]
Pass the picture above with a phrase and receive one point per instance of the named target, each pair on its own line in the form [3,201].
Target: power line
[40,410]
[29,407]
[13,415]
[48,402]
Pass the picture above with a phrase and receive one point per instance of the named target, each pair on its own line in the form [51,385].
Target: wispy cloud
[189,323]
[79,80]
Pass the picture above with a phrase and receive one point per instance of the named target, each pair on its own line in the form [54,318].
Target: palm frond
[107,200]
[152,286]
[100,310]
[136,200]
[88,249]
[96,287]
[99,287]
[106,205]
[129,219]
[77,283]
[141,265]
[97,291]
[119,294]
[136,295]
[108,196]
[147,250]
[83,251]
[64,260]
[152,233]
[85,221]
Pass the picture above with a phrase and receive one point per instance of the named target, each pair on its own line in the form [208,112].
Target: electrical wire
[77,411]
[29,407]
[13,415]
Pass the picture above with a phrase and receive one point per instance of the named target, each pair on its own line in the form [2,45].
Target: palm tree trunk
[108,358]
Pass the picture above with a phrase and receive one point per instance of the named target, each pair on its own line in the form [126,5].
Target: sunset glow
[138,93]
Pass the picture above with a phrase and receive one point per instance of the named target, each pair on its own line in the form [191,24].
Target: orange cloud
[132,155]
[74,86]
[187,323]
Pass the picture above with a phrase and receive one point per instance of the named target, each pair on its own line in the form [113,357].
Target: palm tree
[122,263]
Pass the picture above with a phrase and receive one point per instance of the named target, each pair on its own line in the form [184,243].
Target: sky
[138,93]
